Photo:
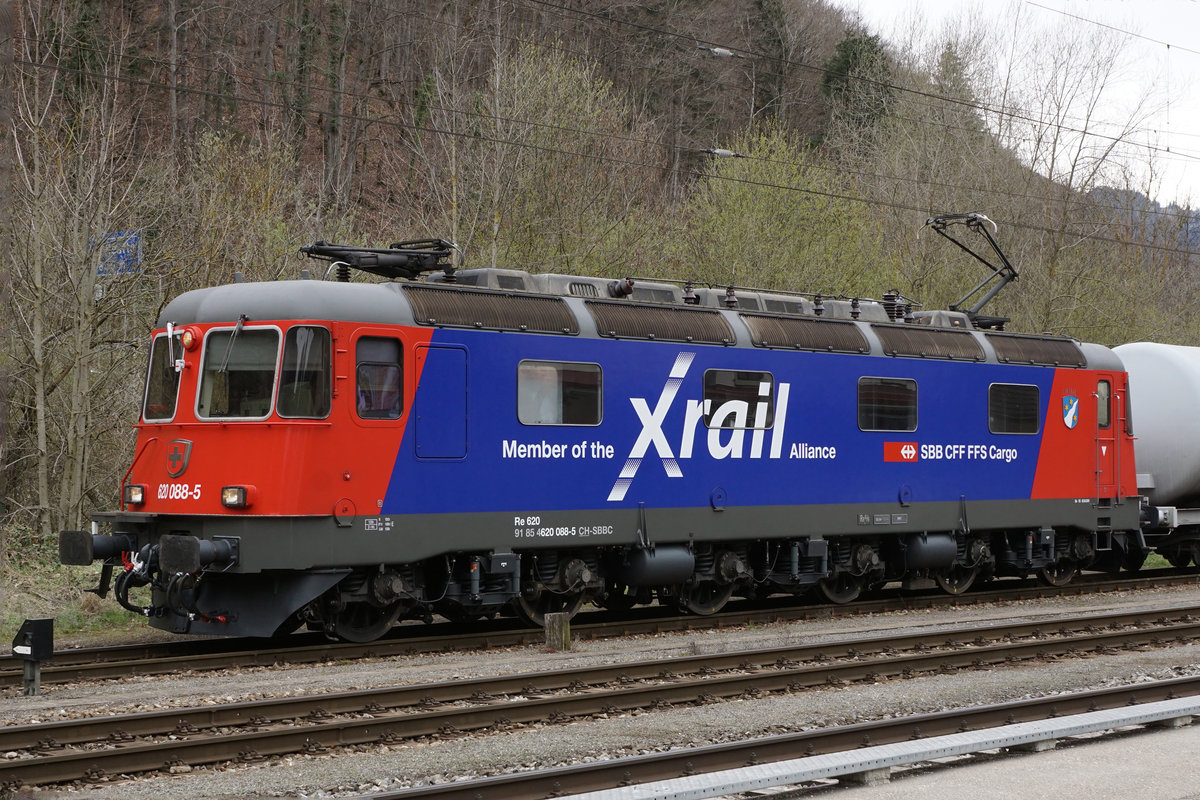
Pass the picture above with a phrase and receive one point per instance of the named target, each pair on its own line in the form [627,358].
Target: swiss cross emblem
[178,453]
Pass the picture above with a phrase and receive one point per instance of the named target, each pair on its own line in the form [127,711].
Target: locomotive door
[441,402]
[1110,414]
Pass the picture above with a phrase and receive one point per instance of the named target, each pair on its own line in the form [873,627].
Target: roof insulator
[621,288]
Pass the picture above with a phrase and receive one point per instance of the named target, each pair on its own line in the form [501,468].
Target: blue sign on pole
[119,252]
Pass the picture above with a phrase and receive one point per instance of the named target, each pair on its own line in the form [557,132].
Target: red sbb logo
[900,451]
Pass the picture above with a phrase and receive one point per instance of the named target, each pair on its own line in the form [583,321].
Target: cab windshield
[238,378]
[304,385]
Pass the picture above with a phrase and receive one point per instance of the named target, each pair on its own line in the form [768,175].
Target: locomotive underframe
[346,579]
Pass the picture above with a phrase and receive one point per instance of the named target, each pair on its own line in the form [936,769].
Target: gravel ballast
[359,770]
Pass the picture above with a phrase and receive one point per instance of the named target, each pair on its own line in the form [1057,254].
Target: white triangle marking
[1103,449]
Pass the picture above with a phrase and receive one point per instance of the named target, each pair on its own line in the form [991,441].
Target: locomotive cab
[258,441]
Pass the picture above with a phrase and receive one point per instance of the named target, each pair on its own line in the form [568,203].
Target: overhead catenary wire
[1115,28]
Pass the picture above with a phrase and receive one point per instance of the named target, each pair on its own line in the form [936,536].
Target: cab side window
[1104,405]
[162,382]
[378,378]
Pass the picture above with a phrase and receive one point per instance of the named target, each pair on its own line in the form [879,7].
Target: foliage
[779,217]
[549,158]
[857,80]
[239,206]
[231,135]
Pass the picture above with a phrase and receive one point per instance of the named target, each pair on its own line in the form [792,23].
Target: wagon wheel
[362,622]
[1187,553]
[1058,574]
[705,597]
[1179,559]
[956,579]
[841,587]
[535,610]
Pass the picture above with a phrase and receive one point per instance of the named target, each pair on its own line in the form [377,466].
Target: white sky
[1163,53]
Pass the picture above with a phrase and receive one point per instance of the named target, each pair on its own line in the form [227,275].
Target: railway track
[92,664]
[612,774]
[93,748]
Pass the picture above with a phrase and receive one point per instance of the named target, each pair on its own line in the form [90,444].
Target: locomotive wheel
[1059,573]
[705,597]
[535,610]
[957,579]
[619,597]
[1134,559]
[841,588]
[362,622]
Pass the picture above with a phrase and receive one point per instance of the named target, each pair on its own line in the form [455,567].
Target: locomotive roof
[940,336]
[279,300]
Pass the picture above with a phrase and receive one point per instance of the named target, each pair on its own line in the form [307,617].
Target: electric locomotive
[470,442]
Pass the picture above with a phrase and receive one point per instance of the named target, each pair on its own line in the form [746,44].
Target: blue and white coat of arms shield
[1070,410]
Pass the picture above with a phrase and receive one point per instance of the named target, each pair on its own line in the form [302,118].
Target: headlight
[134,494]
[237,496]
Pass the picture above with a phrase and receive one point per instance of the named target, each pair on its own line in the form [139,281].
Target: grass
[52,590]
[1155,561]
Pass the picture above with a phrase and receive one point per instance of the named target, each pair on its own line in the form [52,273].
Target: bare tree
[73,169]
[536,162]
[1022,128]
[8,78]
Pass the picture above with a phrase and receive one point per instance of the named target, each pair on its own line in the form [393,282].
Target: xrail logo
[729,421]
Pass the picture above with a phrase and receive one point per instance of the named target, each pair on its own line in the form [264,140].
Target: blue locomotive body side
[652,438]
